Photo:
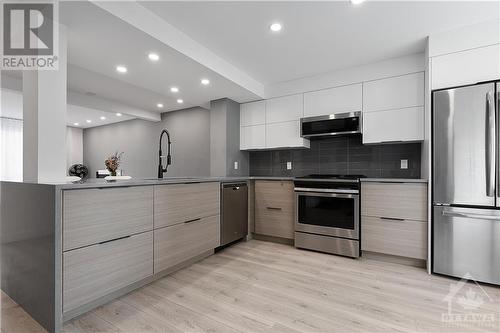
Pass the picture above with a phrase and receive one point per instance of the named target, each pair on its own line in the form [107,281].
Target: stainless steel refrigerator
[466,186]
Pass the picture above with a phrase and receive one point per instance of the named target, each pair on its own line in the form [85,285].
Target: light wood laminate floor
[265,287]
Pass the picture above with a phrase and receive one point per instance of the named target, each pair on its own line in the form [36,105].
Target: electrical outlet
[404,164]
[236,165]
[289,165]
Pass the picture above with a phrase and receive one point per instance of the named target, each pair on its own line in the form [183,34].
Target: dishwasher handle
[234,186]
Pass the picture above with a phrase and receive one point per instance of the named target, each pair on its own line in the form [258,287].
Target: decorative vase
[112,172]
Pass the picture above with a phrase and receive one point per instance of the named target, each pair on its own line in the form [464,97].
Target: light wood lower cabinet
[91,216]
[95,271]
[397,200]
[404,238]
[394,218]
[179,203]
[180,242]
[274,208]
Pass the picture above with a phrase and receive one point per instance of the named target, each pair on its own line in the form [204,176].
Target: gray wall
[225,139]
[218,138]
[233,152]
[340,155]
[74,146]
[138,139]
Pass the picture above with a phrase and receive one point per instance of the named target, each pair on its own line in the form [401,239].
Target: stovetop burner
[332,176]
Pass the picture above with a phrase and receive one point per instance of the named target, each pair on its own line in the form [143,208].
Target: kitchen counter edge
[395,180]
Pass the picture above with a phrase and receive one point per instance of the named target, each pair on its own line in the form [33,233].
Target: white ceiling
[80,115]
[317,37]
[12,107]
[99,41]
[230,44]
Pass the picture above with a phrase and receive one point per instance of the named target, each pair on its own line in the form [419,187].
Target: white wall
[74,146]
[379,70]
[11,102]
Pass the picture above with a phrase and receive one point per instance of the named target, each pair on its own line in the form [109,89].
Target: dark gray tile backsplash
[340,155]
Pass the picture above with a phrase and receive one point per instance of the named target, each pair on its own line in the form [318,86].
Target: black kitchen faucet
[161,170]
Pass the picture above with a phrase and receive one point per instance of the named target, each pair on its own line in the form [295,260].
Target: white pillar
[44,113]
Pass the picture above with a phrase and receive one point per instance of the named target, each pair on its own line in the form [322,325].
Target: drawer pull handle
[112,187]
[193,220]
[392,219]
[274,208]
[112,240]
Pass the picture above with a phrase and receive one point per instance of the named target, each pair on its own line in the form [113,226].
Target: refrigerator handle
[471,216]
[490,145]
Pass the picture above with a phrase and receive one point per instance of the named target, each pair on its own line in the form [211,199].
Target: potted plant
[113,162]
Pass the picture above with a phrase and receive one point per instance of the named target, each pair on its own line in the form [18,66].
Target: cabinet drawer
[97,270]
[178,243]
[274,209]
[183,202]
[91,216]
[401,238]
[396,200]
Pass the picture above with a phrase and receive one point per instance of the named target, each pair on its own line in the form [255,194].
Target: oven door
[332,214]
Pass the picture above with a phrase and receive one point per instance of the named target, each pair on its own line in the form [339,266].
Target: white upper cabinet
[274,123]
[334,100]
[253,137]
[466,67]
[393,109]
[285,135]
[286,108]
[253,113]
[394,93]
[397,125]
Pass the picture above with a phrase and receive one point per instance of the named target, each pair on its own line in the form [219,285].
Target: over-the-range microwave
[331,125]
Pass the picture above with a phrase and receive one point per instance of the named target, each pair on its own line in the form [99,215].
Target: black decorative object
[79,170]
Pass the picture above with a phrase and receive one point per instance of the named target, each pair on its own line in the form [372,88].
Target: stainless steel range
[327,214]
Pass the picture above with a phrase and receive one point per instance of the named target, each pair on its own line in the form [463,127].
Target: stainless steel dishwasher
[234,221]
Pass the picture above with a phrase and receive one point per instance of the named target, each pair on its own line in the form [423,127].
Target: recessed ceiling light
[76,124]
[103,118]
[205,82]
[174,89]
[118,114]
[159,105]
[180,101]
[276,27]
[88,121]
[357,2]
[153,57]
[121,69]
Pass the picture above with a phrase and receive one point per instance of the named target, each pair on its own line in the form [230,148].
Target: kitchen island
[67,248]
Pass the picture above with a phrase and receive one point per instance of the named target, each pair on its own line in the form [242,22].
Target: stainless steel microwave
[330,125]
